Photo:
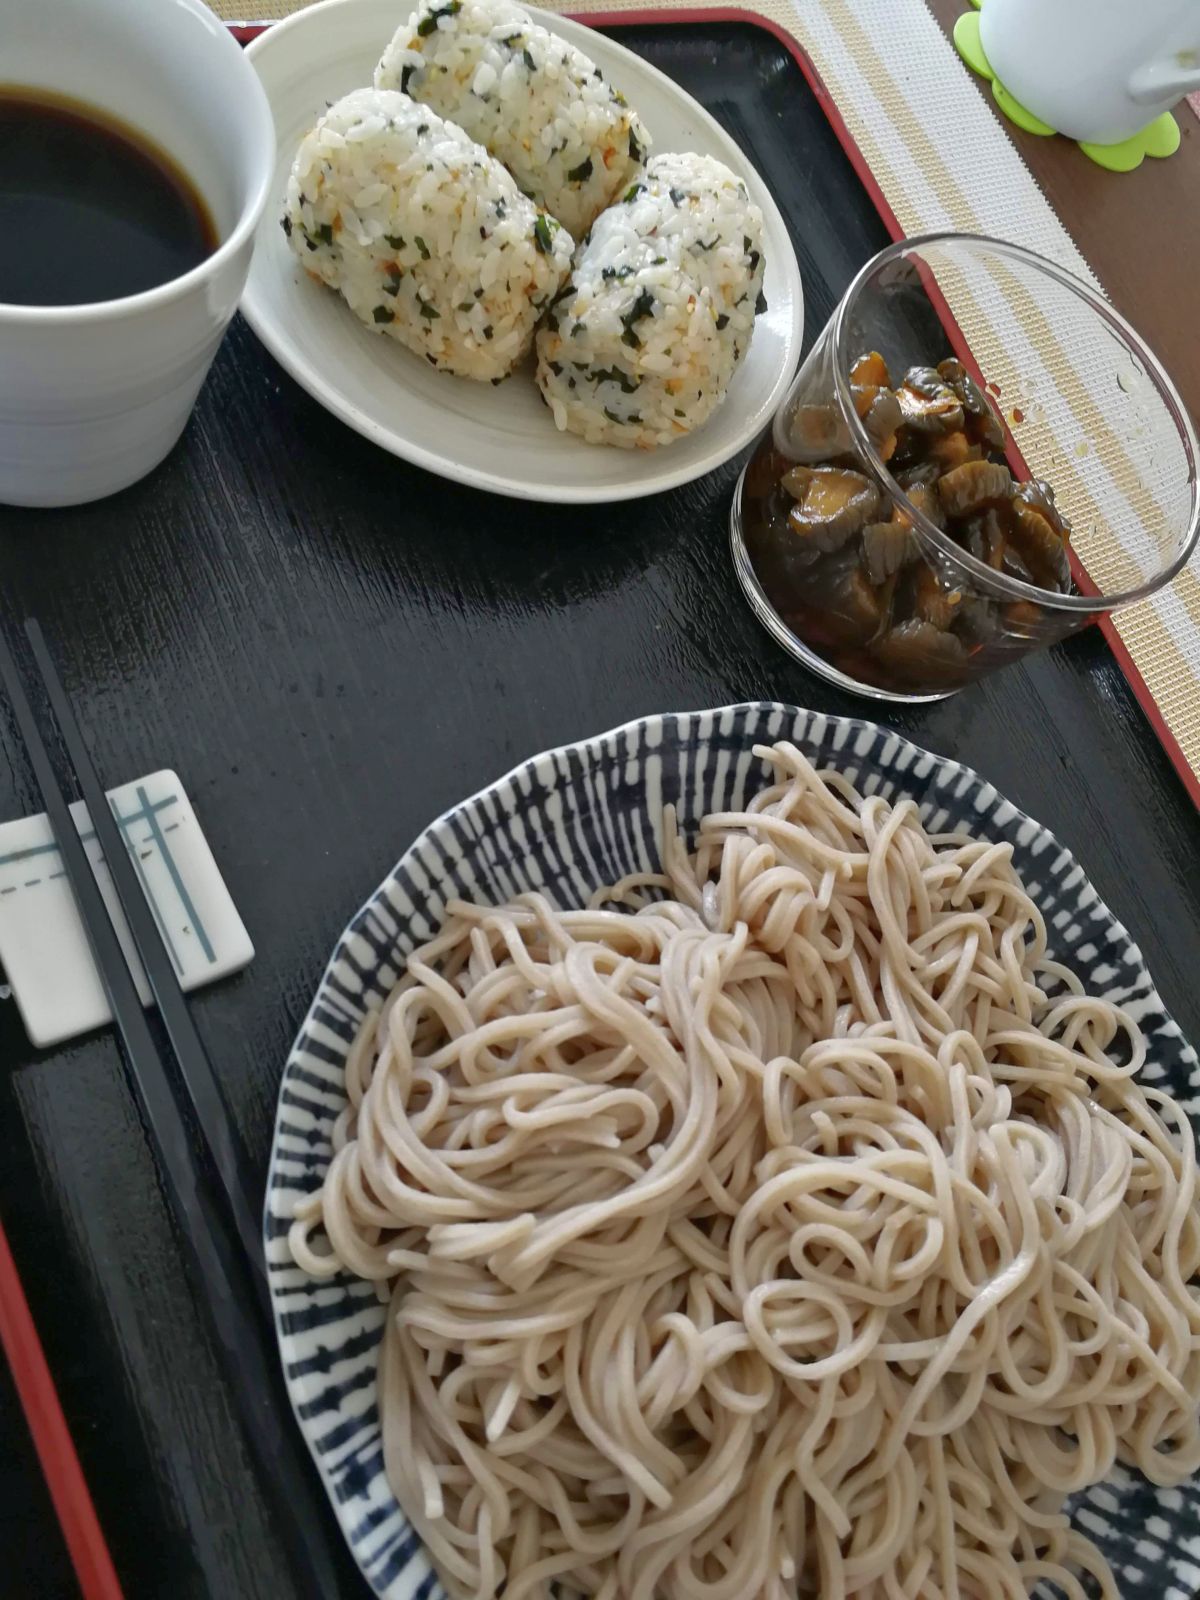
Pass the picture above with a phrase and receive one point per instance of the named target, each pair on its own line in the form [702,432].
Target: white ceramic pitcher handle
[1170,78]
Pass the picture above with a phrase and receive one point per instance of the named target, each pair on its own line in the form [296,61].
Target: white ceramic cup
[1096,70]
[93,396]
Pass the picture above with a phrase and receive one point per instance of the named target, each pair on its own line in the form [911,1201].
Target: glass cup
[1016,466]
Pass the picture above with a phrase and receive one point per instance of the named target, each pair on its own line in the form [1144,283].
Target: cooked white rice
[425,236]
[643,339]
[538,104]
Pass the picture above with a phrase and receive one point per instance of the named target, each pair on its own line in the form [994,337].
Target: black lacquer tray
[330,647]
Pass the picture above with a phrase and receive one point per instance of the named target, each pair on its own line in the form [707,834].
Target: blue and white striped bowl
[568,822]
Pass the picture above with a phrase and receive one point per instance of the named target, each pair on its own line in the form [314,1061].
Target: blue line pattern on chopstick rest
[176,877]
[159,920]
[90,834]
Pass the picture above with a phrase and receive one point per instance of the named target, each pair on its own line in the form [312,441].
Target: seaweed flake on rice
[640,344]
[537,103]
[424,234]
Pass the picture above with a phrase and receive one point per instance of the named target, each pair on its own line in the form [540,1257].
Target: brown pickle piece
[933,601]
[1060,516]
[886,547]
[849,610]
[976,621]
[926,472]
[817,432]
[987,430]
[909,453]
[982,536]
[972,486]
[822,538]
[955,376]
[953,450]
[927,381]
[924,497]
[870,371]
[1023,618]
[982,423]
[928,403]
[1037,494]
[1042,549]
[1013,566]
[763,472]
[919,656]
[882,420]
[781,561]
[831,504]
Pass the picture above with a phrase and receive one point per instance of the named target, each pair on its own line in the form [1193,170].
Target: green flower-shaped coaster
[1160,139]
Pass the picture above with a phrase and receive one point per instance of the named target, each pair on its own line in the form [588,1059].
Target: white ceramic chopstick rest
[43,946]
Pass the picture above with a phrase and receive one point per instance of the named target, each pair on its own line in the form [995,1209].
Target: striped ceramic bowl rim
[567,822]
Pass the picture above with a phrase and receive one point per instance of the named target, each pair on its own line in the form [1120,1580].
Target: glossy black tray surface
[331,647]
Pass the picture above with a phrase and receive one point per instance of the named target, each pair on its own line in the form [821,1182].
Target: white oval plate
[504,438]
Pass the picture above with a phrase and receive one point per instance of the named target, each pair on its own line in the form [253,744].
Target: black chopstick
[220,1271]
[228,1155]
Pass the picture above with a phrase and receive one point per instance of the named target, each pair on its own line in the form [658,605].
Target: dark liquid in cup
[90,209]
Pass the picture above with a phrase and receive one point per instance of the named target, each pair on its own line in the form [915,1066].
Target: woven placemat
[942,160]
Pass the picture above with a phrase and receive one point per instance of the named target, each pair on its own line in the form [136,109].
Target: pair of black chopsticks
[222,1276]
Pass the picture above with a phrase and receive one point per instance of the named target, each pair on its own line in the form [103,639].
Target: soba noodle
[804,1232]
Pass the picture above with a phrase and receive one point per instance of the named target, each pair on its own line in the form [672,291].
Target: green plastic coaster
[1160,139]
[970,48]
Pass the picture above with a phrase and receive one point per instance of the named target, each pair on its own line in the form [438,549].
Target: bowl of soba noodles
[736,1156]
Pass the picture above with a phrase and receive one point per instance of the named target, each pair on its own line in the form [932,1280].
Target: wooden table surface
[330,647]
[1139,231]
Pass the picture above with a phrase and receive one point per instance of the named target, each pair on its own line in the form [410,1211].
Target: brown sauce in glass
[90,209]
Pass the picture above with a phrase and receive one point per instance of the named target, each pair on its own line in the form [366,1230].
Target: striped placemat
[940,159]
